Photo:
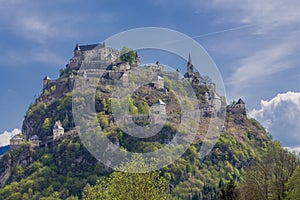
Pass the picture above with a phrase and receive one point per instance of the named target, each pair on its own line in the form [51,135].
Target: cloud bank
[4,137]
[295,150]
[281,117]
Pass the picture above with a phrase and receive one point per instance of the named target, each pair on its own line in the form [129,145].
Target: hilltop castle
[97,58]
[107,59]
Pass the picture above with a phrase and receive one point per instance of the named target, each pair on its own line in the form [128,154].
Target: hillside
[63,167]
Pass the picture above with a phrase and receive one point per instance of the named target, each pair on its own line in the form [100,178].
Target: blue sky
[254,43]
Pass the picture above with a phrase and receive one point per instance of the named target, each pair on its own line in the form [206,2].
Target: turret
[46,82]
[237,108]
[77,48]
[16,141]
[240,103]
[58,130]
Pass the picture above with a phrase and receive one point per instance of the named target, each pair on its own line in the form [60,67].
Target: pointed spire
[77,48]
[190,59]
[240,101]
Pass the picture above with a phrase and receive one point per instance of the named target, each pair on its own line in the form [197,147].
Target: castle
[99,57]
[99,53]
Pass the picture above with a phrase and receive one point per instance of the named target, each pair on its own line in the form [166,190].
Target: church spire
[190,59]
[189,66]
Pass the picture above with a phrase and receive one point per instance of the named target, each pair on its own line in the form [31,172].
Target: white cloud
[4,137]
[34,21]
[281,117]
[258,54]
[268,15]
[35,28]
[294,150]
[261,64]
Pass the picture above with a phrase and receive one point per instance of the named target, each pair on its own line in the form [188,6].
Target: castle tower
[77,50]
[189,66]
[46,82]
[240,103]
[137,61]
[237,108]
[58,130]
[206,97]
[159,108]
[16,141]
[159,83]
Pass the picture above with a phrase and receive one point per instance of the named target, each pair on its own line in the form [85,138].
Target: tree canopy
[127,55]
[130,186]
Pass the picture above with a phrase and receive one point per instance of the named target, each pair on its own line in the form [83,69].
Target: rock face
[22,156]
[5,171]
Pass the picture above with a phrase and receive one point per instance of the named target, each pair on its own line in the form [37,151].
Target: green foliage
[65,72]
[131,107]
[53,88]
[103,120]
[143,108]
[18,172]
[127,55]
[229,192]
[293,185]
[267,178]
[60,172]
[46,92]
[131,186]
[47,128]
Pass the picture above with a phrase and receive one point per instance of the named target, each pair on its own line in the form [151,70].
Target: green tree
[131,107]
[130,186]
[66,121]
[104,104]
[127,55]
[46,126]
[102,117]
[293,185]
[143,108]
[19,172]
[229,192]
[266,180]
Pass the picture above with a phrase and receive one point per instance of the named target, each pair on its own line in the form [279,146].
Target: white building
[35,140]
[16,141]
[58,130]
[159,82]
[159,108]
